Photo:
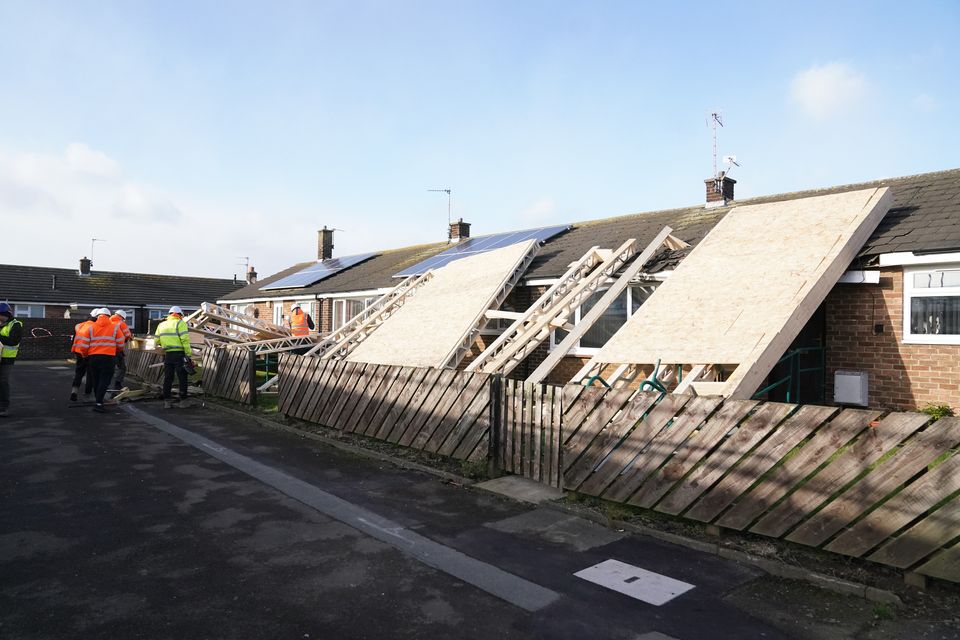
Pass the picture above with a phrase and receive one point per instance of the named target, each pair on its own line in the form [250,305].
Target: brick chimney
[85,264]
[251,275]
[719,190]
[324,243]
[459,230]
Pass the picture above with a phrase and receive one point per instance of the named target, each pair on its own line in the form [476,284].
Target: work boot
[168,404]
[73,396]
[99,408]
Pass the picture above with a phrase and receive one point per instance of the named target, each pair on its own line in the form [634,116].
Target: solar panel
[481,244]
[317,272]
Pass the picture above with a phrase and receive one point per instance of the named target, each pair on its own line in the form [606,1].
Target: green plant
[473,469]
[883,611]
[937,411]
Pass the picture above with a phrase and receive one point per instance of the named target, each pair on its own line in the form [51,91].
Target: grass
[883,611]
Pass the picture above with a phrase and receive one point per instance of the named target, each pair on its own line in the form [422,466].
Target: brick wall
[46,347]
[902,376]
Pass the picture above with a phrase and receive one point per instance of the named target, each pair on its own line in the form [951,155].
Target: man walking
[120,319]
[11,332]
[81,338]
[174,337]
[101,353]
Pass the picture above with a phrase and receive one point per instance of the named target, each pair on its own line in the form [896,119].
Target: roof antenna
[92,241]
[449,197]
[715,118]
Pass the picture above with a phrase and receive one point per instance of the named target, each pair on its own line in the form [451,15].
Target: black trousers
[100,368]
[81,370]
[173,366]
[121,370]
[6,369]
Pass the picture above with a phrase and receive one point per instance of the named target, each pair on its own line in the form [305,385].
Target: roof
[110,288]
[925,217]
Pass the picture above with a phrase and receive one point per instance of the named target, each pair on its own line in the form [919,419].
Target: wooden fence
[440,411]
[228,372]
[145,365]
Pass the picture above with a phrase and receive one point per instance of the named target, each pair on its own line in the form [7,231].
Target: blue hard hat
[5,308]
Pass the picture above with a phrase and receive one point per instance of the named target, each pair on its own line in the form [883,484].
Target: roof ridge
[67,270]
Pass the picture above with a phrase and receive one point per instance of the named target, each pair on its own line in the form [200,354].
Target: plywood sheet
[431,323]
[744,282]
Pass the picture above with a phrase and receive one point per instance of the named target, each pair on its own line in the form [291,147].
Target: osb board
[744,282]
[433,321]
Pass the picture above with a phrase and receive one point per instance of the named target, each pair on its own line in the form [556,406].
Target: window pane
[922,280]
[611,320]
[940,315]
[951,278]
[639,295]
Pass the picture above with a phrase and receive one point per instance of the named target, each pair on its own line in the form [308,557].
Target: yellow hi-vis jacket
[174,335]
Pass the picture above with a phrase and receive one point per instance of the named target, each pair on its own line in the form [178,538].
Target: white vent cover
[850,387]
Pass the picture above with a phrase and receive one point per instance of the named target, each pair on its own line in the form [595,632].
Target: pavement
[189,523]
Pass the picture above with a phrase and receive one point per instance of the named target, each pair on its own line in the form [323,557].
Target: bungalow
[893,321]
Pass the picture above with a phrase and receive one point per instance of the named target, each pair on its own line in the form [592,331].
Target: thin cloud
[926,103]
[541,210]
[826,91]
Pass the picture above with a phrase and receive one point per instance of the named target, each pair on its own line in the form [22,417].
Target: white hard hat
[104,311]
[176,309]
[95,312]
[296,305]
[122,313]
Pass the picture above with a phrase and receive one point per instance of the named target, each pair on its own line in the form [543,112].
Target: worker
[80,337]
[300,322]
[101,353]
[11,332]
[119,318]
[174,337]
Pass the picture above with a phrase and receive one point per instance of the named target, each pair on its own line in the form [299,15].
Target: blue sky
[188,134]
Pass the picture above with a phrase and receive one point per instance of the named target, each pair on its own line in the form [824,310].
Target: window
[931,305]
[278,312]
[29,310]
[345,309]
[131,318]
[156,314]
[609,323]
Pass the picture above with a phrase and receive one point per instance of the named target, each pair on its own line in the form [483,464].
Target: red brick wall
[902,376]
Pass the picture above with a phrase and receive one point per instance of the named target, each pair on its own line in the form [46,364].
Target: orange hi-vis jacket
[81,337]
[124,328]
[298,324]
[105,338]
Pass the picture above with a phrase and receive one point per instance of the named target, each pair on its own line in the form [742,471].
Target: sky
[192,136]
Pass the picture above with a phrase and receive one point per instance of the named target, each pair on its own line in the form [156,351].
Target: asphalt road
[152,523]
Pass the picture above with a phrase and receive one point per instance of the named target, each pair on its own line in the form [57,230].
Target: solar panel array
[481,244]
[317,272]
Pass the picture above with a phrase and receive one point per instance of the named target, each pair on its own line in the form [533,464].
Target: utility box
[850,387]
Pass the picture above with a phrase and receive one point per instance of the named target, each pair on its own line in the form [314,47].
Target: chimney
[85,264]
[719,190]
[251,275]
[325,243]
[459,230]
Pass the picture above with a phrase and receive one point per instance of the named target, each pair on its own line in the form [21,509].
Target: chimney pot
[85,264]
[459,230]
[719,190]
[251,275]
[325,243]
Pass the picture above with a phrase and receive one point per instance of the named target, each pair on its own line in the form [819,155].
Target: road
[153,523]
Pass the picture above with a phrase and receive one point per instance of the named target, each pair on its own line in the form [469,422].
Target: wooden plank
[549,435]
[536,434]
[660,448]
[579,403]
[868,448]
[898,511]
[580,441]
[910,460]
[309,400]
[295,385]
[633,444]
[922,539]
[343,390]
[831,437]
[322,389]
[506,416]
[944,565]
[329,391]
[368,394]
[517,435]
[404,396]
[731,450]
[372,420]
[434,427]
[424,416]
[692,450]
[609,438]
[472,429]
[413,405]
[351,396]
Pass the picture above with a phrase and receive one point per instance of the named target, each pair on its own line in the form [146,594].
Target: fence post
[496,428]
[252,376]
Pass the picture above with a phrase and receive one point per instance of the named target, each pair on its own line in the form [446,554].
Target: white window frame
[278,313]
[20,310]
[131,319]
[910,292]
[592,351]
[339,310]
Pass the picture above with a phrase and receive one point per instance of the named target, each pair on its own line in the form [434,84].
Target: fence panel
[530,431]
[227,373]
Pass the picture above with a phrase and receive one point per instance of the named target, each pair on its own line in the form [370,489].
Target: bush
[937,411]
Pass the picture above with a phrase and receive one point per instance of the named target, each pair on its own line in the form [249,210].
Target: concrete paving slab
[558,528]
[520,488]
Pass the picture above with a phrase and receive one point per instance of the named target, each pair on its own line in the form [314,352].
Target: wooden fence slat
[618,461]
[556,459]
[436,424]
[342,417]
[313,380]
[578,442]
[335,391]
[475,428]
[922,539]
[367,394]
[911,459]
[609,438]
[661,447]
[536,432]
[824,442]
[412,404]
[751,431]
[517,427]
[579,402]
[388,395]
[343,393]
[945,565]
[529,397]
[899,510]
[692,450]
[868,448]
[421,419]
[404,393]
